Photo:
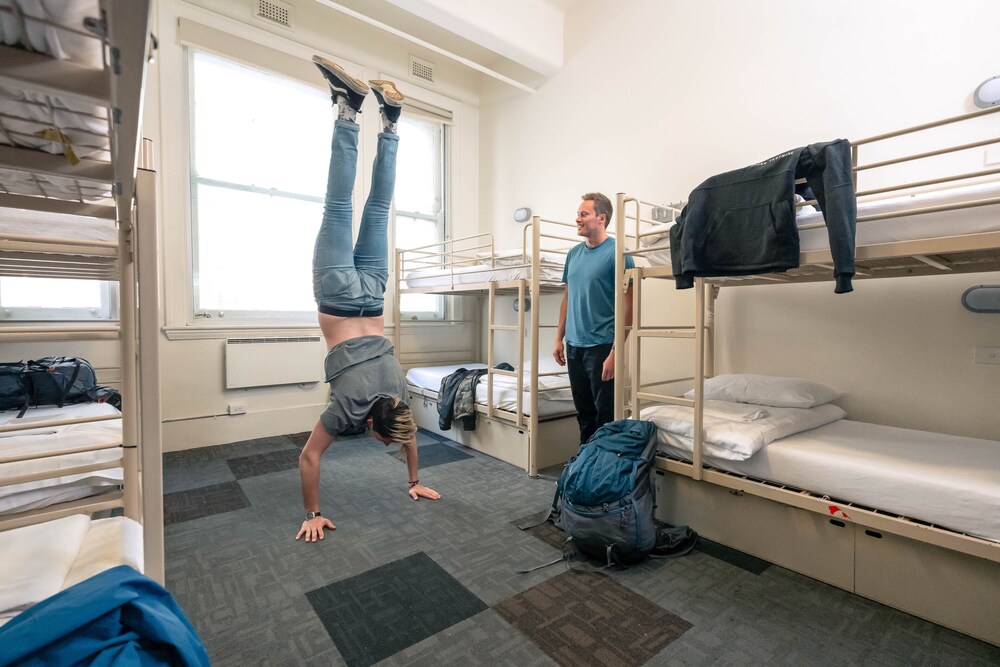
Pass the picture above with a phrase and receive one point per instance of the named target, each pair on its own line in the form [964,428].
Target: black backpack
[51,381]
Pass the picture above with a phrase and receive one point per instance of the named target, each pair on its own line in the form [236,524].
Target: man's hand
[418,491]
[313,528]
[559,353]
[608,369]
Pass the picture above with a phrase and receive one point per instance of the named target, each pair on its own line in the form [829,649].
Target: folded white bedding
[736,431]
[552,387]
[468,275]
[518,257]
[46,439]
[36,559]
[40,560]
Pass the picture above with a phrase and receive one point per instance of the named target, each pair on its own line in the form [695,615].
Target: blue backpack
[605,498]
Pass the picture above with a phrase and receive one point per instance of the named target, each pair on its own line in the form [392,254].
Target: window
[57,299]
[260,148]
[420,199]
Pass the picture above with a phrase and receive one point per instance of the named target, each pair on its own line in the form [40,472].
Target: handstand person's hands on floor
[418,491]
[313,528]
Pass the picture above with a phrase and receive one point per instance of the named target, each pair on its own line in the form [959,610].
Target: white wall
[657,95]
[195,400]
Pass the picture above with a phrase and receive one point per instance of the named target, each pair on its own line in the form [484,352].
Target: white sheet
[736,431]
[556,400]
[40,560]
[36,559]
[908,228]
[27,112]
[42,493]
[470,275]
[949,481]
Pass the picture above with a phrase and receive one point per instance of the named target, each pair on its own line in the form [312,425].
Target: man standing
[587,316]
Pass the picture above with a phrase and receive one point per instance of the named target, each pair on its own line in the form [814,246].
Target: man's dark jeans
[594,398]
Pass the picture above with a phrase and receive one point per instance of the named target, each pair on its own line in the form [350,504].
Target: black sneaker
[341,83]
[389,98]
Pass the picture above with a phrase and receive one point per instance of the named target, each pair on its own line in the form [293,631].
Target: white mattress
[907,228]
[555,401]
[27,112]
[36,566]
[470,275]
[45,492]
[949,481]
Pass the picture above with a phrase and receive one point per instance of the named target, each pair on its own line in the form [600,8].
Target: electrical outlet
[237,409]
[661,214]
[986,355]
[992,155]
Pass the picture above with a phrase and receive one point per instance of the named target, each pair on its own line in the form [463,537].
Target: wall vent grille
[274,12]
[421,69]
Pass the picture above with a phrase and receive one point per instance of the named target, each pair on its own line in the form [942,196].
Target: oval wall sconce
[982,299]
[987,93]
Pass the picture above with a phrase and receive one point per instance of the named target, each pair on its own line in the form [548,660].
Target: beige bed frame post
[397,326]
[535,293]
[490,347]
[150,419]
[699,377]
[620,285]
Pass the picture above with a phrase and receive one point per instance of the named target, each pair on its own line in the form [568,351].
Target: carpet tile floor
[440,582]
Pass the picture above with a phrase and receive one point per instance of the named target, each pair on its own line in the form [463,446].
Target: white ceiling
[518,39]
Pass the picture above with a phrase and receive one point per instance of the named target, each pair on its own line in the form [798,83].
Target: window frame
[443,309]
[238,316]
[108,311]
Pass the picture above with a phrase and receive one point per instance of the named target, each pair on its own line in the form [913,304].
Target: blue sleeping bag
[118,617]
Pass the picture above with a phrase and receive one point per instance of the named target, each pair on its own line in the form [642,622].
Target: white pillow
[778,392]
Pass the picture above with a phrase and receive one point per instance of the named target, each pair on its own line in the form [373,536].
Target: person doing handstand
[367,386]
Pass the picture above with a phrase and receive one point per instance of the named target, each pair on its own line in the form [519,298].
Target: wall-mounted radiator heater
[265,362]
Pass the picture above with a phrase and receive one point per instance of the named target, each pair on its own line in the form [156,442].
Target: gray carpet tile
[192,475]
[299,439]
[378,613]
[582,617]
[265,463]
[232,450]
[203,501]
[484,639]
[242,578]
[735,557]
[436,453]
[425,437]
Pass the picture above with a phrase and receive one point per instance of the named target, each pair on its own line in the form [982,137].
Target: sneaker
[341,83]
[389,98]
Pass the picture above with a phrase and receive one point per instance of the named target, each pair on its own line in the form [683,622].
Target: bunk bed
[904,517]
[533,427]
[77,200]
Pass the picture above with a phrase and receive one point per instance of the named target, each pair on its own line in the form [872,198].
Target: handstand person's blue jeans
[345,282]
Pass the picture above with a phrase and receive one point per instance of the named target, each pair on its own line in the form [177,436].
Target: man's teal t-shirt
[590,308]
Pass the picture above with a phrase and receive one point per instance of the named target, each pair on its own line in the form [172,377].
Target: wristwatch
[312,515]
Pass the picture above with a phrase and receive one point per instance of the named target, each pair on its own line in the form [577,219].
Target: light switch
[987,355]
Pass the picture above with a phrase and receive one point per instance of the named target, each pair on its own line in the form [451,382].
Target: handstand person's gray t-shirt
[360,371]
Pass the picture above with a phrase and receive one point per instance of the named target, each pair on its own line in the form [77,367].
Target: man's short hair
[602,205]
[392,418]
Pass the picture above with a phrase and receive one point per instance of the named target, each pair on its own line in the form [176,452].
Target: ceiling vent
[274,12]
[420,69]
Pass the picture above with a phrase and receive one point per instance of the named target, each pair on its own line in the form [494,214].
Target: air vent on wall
[421,69]
[274,12]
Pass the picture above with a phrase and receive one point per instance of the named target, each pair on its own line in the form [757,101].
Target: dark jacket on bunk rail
[457,397]
[742,222]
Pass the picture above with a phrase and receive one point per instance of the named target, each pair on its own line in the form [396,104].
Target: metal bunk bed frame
[545,439]
[948,577]
[124,29]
